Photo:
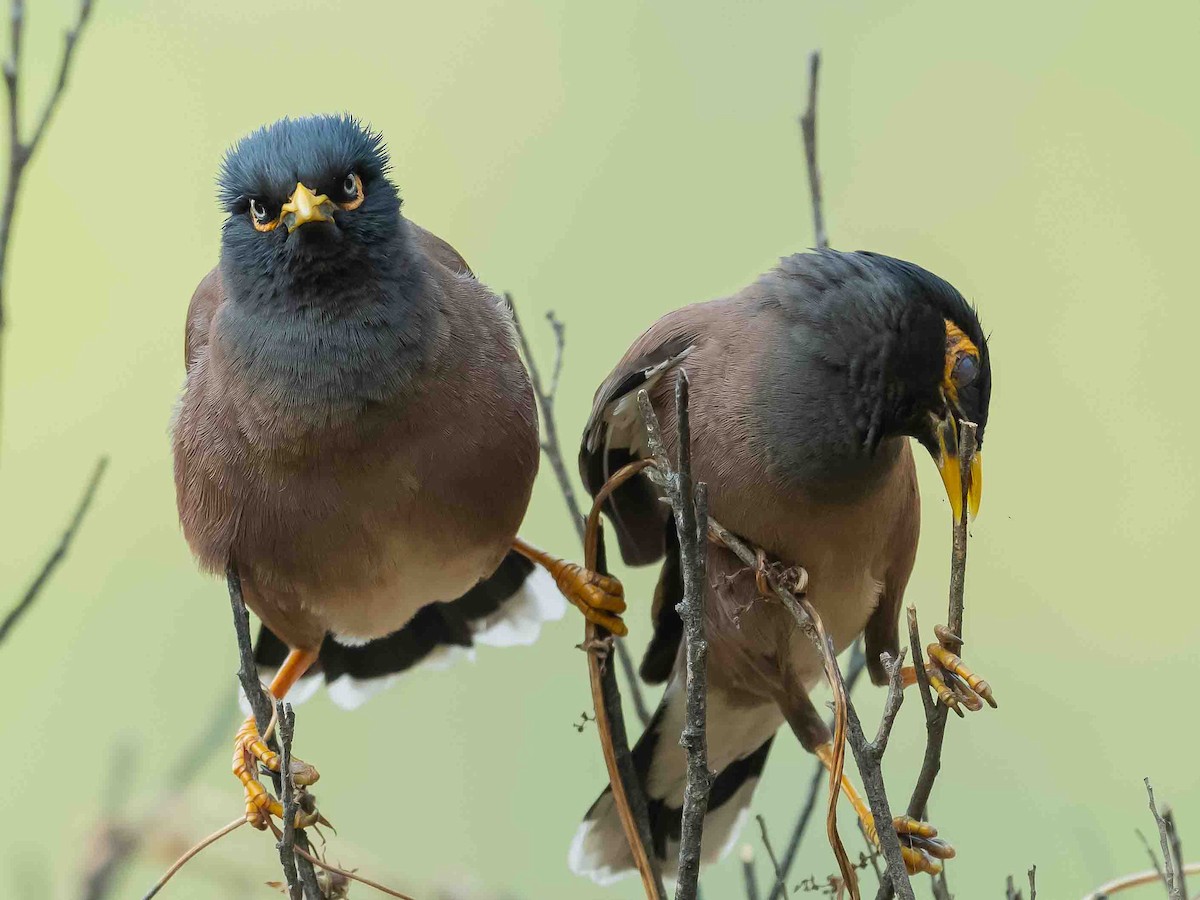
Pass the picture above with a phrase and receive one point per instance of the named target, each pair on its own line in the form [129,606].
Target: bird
[807,390]
[357,435]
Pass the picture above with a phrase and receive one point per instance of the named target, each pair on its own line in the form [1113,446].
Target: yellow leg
[600,598]
[919,843]
[249,749]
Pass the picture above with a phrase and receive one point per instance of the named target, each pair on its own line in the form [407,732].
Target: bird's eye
[966,369]
[352,192]
[259,217]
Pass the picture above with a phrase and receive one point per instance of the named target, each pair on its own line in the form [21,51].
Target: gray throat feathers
[327,363]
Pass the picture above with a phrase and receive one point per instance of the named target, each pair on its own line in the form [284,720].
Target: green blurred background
[611,161]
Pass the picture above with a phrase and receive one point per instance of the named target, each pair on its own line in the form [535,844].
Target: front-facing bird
[805,389]
[357,434]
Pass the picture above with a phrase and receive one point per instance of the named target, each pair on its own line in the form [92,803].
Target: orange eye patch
[962,361]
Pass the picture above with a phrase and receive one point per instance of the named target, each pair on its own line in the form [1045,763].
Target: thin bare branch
[1176,849]
[869,755]
[749,879]
[21,152]
[690,503]
[1154,863]
[262,708]
[287,843]
[858,665]
[57,556]
[1032,882]
[776,867]
[552,450]
[1136,879]
[192,852]
[1172,878]
[808,128]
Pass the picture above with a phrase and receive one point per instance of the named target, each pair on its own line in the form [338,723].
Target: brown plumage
[804,388]
[347,516]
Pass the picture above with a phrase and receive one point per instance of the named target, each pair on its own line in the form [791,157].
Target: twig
[788,588]
[1173,882]
[780,871]
[1032,882]
[1176,849]
[628,794]
[56,557]
[552,449]
[1136,879]
[936,714]
[261,706]
[187,856]
[20,152]
[1154,863]
[869,756]
[748,876]
[690,503]
[287,843]
[858,665]
[808,128]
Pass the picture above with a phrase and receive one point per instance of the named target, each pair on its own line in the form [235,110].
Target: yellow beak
[952,479]
[305,206]
[947,463]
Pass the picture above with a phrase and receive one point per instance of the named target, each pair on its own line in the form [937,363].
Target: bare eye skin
[352,192]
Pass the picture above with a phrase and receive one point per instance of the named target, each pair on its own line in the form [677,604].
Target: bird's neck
[330,351]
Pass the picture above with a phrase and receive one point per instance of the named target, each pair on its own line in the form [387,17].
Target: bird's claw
[954,683]
[601,598]
[248,749]
[922,849]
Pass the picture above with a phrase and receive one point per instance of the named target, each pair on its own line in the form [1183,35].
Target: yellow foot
[249,749]
[955,684]
[600,598]
[922,849]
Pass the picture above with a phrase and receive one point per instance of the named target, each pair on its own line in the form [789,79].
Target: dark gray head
[313,217]
[885,349]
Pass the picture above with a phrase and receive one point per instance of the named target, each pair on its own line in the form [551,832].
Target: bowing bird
[806,387]
[357,434]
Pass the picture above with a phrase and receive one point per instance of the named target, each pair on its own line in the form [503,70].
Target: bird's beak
[946,457]
[305,206]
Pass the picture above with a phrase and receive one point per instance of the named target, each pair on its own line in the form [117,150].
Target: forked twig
[552,450]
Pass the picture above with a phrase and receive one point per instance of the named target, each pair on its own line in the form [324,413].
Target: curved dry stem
[1137,879]
[321,864]
[603,726]
[187,857]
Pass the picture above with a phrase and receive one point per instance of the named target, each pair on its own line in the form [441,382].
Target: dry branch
[552,450]
[287,843]
[1170,873]
[858,665]
[690,505]
[808,128]
[20,152]
[628,795]
[57,556]
[262,709]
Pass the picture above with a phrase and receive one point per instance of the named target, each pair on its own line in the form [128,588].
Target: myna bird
[357,433]
[805,389]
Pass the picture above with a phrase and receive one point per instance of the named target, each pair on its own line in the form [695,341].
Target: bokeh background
[610,162]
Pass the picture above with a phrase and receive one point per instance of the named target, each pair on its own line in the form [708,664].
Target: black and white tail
[739,739]
[507,609]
